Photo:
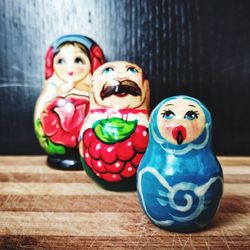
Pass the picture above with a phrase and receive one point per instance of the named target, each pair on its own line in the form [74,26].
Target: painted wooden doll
[180,181]
[64,101]
[115,135]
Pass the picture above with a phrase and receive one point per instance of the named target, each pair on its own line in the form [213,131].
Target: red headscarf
[95,53]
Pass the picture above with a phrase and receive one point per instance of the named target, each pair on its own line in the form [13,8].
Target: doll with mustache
[114,135]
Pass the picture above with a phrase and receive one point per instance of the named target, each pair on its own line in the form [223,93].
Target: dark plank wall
[199,48]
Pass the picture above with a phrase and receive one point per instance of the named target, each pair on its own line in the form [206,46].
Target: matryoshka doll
[114,136]
[179,180]
[64,101]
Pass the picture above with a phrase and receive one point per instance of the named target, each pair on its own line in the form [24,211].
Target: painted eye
[79,60]
[168,114]
[108,70]
[132,70]
[191,115]
[61,61]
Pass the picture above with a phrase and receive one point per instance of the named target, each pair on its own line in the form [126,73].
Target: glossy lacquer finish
[64,101]
[114,136]
[180,181]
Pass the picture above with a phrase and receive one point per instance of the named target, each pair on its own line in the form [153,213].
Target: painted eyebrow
[110,66]
[192,105]
[132,66]
[170,104]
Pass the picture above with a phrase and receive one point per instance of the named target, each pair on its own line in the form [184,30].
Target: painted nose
[70,68]
[121,77]
[179,133]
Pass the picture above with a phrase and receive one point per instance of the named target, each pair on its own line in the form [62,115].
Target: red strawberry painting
[114,155]
[114,136]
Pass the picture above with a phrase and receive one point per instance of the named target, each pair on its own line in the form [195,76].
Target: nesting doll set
[94,116]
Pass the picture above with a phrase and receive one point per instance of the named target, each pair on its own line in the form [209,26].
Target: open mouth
[179,133]
[120,89]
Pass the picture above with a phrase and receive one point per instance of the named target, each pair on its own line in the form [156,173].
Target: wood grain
[41,208]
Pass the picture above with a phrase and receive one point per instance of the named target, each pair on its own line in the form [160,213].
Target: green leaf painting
[114,129]
[45,142]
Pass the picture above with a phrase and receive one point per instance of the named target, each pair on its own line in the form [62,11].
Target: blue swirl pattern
[180,186]
[185,201]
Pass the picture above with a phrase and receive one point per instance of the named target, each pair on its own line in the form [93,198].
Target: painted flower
[62,119]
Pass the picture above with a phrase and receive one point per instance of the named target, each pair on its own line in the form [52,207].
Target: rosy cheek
[193,130]
[195,127]
[61,71]
[80,69]
[166,127]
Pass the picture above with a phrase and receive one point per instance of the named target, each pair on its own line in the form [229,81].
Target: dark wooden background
[196,47]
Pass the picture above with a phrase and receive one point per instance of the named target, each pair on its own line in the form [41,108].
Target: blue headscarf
[86,41]
[204,140]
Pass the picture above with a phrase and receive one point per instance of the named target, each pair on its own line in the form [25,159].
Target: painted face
[180,121]
[120,85]
[71,63]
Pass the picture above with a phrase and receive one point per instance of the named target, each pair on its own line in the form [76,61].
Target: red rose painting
[63,117]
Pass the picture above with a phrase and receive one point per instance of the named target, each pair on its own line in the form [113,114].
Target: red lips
[179,133]
[70,73]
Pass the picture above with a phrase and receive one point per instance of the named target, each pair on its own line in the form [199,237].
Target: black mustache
[114,87]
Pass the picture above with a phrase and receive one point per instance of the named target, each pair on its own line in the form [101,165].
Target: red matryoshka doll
[114,135]
[64,101]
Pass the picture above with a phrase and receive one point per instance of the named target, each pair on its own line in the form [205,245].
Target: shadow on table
[231,208]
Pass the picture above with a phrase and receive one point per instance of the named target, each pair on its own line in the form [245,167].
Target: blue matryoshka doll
[180,181]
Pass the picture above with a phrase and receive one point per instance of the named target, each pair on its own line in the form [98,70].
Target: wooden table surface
[42,208]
